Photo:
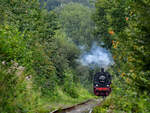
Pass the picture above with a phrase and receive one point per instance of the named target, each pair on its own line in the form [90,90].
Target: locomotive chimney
[102,69]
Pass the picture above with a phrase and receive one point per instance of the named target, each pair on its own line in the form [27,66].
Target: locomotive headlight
[96,84]
[107,85]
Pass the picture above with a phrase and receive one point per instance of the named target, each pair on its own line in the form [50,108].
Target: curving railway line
[85,107]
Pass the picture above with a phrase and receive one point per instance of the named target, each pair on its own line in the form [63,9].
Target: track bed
[85,107]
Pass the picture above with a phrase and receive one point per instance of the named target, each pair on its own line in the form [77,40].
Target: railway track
[85,107]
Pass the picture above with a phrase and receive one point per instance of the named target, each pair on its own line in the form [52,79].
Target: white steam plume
[97,56]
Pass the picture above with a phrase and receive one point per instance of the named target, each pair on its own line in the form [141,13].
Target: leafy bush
[69,86]
[124,99]
[126,33]
[16,91]
[14,46]
[35,59]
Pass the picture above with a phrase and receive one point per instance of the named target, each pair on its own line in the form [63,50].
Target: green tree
[75,20]
[129,26]
[110,18]
[52,4]
[38,28]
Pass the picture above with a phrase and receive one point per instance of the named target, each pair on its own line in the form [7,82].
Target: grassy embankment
[19,95]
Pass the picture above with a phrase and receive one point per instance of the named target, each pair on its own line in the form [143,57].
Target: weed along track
[85,107]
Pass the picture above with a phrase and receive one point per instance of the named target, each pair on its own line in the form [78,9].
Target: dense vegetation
[124,27]
[52,4]
[77,23]
[41,42]
[38,59]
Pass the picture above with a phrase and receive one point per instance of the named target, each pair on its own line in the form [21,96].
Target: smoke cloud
[97,56]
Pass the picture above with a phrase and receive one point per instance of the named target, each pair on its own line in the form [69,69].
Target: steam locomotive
[101,83]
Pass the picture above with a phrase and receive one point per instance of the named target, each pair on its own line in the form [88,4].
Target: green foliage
[66,53]
[52,4]
[134,42]
[76,31]
[69,85]
[126,31]
[124,99]
[110,17]
[36,59]
[14,46]
[75,20]
[36,28]
[16,91]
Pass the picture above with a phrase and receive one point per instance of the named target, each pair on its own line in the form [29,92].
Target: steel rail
[71,108]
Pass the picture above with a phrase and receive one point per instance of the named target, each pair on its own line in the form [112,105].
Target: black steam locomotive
[101,83]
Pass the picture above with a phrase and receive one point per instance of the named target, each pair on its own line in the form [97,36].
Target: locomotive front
[101,83]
